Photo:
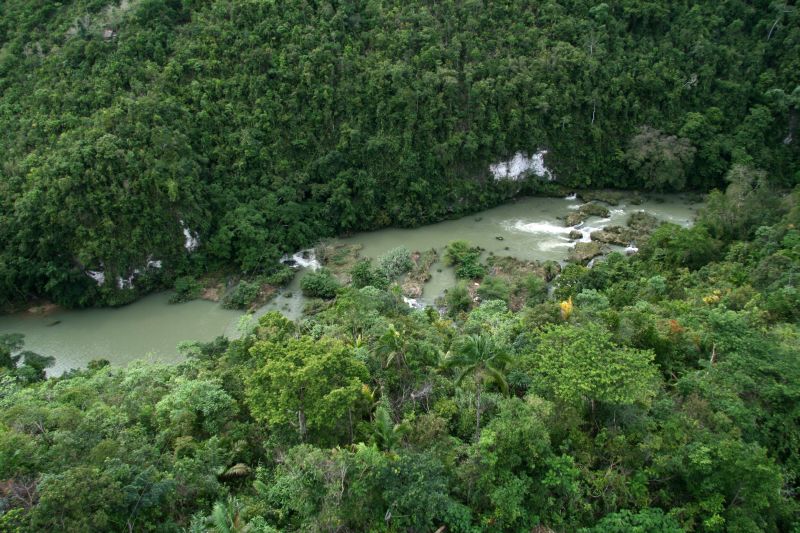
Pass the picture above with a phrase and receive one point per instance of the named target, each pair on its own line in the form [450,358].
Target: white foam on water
[586,233]
[543,227]
[413,303]
[571,197]
[303,258]
[547,246]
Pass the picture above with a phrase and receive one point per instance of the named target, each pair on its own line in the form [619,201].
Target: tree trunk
[301,421]
[350,423]
[477,408]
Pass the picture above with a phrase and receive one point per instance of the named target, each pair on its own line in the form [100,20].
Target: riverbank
[528,229]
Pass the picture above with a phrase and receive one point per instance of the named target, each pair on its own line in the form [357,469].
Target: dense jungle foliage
[652,393]
[257,126]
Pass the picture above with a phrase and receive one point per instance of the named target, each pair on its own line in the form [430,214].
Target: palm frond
[498,378]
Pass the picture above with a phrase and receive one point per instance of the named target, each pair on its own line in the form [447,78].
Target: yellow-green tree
[314,387]
[583,365]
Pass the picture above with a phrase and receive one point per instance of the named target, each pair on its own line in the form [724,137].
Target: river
[151,328]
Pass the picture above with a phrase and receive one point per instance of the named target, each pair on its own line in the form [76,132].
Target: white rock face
[153,264]
[520,166]
[97,276]
[190,239]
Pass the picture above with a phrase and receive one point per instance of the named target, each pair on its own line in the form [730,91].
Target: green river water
[151,328]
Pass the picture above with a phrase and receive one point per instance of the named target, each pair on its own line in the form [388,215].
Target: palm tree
[480,356]
[386,434]
[392,346]
[226,517]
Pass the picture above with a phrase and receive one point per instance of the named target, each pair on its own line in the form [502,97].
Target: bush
[471,269]
[573,279]
[242,296]
[319,284]
[674,246]
[591,300]
[457,252]
[364,274]
[457,299]
[466,259]
[655,288]
[784,303]
[535,289]
[494,288]
[186,288]
[395,262]
[282,276]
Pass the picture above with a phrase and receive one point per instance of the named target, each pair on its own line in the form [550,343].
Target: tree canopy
[221,134]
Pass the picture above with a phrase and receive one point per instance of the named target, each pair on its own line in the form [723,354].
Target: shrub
[457,299]
[319,284]
[591,300]
[573,279]
[364,274]
[784,303]
[282,276]
[395,262]
[535,289]
[494,288]
[674,246]
[470,270]
[466,259]
[186,288]
[457,252]
[242,295]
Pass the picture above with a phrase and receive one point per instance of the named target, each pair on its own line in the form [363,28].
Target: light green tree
[312,386]
[584,365]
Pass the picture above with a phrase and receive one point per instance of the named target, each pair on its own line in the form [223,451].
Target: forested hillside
[653,394]
[256,127]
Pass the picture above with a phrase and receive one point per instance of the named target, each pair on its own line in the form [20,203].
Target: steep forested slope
[259,126]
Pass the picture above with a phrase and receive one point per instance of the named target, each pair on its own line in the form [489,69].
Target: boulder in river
[575,235]
[614,235]
[585,252]
[603,195]
[585,211]
[642,222]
